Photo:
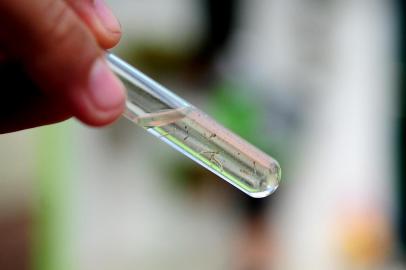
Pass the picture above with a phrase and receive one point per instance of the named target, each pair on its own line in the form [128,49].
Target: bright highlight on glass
[194,134]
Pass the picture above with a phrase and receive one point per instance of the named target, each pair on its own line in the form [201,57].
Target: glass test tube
[194,134]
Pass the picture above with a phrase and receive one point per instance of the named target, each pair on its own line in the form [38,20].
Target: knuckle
[61,23]
[69,44]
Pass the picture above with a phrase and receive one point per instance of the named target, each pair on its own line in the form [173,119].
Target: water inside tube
[216,148]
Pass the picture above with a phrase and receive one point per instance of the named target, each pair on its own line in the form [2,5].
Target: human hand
[52,66]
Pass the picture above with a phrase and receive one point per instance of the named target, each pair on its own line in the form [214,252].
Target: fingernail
[106,16]
[106,90]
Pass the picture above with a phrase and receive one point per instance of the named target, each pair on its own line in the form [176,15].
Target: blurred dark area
[401,131]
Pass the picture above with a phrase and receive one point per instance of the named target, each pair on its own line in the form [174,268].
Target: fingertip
[103,101]
[106,91]
[87,113]
[100,118]
[100,19]
[106,16]
[108,40]
[111,26]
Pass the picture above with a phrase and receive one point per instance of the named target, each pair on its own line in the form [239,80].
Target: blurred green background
[319,85]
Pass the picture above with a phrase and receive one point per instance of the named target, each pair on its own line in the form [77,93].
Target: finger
[32,108]
[3,56]
[38,112]
[99,18]
[62,58]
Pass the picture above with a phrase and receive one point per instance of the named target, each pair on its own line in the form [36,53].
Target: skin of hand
[52,63]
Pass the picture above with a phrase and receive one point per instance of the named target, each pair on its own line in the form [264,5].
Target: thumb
[62,57]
